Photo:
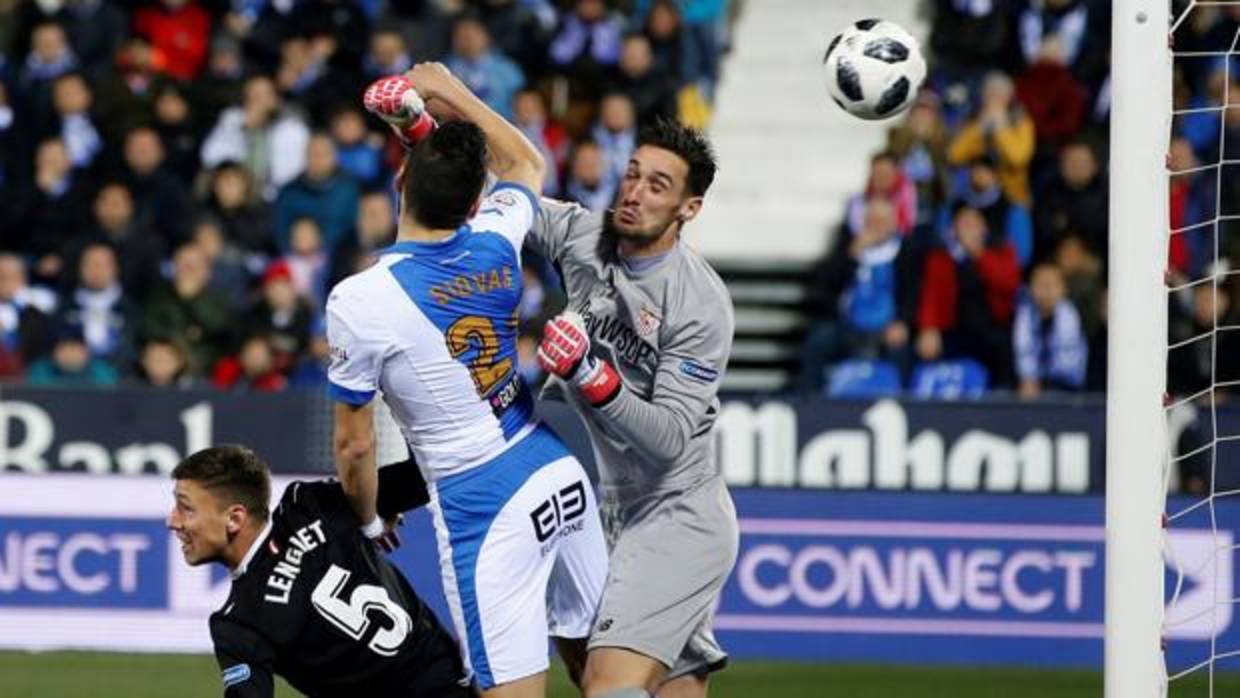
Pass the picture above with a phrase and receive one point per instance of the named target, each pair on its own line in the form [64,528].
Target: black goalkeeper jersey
[319,604]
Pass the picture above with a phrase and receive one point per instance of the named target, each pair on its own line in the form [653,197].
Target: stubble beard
[637,237]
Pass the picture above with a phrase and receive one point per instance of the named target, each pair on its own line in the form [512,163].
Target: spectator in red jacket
[968,295]
[282,316]
[179,30]
[253,368]
[1193,204]
[888,181]
[1055,100]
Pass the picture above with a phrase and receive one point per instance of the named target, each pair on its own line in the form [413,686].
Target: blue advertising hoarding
[53,562]
[821,576]
[938,579]
[920,579]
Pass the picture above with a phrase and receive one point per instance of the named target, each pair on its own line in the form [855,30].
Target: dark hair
[959,205]
[888,155]
[235,474]
[1080,142]
[987,160]
[444,175]
[70,74]
[688,143]
[585,142]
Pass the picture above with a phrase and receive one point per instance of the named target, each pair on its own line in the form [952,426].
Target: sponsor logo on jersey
[236,674]
[504,198]
[697,371]
[339,354]
[612,331]
[647,321]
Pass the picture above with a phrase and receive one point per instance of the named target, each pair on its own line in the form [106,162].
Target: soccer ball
[874,68]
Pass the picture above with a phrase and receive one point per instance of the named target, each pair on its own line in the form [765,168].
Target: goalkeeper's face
[204,525]
[653,198]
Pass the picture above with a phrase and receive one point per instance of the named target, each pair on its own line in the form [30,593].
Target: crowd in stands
[975,256]
[183,180]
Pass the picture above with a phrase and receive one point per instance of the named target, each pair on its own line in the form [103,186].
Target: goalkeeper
[640,353]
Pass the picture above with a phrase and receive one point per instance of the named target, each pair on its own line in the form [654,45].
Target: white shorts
[522,555]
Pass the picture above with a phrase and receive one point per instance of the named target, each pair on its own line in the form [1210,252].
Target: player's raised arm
[513,158]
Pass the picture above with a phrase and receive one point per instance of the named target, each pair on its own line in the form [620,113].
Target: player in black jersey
[312,599]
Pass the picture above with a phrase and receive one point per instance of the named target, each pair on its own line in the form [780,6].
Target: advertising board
[85,562]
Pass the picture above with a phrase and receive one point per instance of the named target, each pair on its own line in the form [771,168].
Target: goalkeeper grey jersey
[667,330]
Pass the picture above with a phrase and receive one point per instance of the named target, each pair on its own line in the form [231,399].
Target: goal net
[1175,271]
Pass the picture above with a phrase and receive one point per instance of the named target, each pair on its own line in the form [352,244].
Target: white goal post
[1136,433]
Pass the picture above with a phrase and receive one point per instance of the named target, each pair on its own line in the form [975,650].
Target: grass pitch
[99,675]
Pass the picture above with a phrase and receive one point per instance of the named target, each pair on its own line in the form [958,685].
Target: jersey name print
[477,282]
[284,575]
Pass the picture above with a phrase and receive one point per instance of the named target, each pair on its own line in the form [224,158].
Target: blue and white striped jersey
[433,326]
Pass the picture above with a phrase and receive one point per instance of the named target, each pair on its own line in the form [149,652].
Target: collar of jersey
[254,548]
[415,246]
[641,266]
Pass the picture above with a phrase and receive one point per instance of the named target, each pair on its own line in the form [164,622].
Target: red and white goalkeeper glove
[565,352]
[395,100]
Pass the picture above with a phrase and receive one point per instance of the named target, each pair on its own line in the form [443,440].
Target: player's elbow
[351,448]
[528,171]
[669,445]
[352,457]
[667,453]
[537,166]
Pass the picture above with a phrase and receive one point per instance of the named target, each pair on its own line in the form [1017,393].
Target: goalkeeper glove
[565,352]
[395,100]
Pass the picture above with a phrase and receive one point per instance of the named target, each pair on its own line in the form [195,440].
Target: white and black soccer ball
[874,69]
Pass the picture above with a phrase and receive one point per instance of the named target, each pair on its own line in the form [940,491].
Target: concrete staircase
[788,160]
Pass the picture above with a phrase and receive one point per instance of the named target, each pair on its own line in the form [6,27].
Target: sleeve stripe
[236,674]
[521,188]
[351,397]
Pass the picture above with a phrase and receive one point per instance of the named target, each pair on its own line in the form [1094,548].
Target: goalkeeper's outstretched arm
[513,158]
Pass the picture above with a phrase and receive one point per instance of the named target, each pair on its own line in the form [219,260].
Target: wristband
[374,529]
[598,381]
[420,128]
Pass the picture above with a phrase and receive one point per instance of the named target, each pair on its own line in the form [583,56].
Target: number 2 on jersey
[351,616]
[476,332]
